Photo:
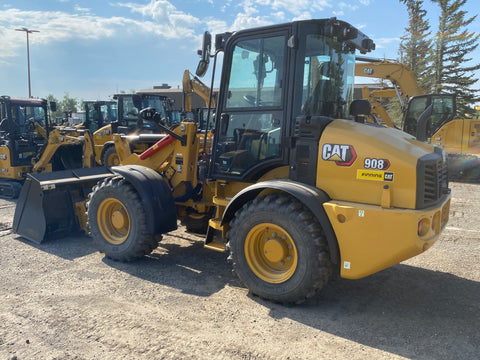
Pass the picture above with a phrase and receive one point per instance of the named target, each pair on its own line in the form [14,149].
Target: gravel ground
[64,300]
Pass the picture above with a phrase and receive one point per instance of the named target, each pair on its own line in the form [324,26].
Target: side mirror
[53,106]
[205,55]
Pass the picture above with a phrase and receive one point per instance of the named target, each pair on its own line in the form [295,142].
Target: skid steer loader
[293,188]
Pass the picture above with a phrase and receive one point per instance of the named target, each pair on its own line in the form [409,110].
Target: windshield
[131,109]
[109,113]
[21,114]
[328,78]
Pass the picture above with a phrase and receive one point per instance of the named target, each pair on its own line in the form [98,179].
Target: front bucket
[46,204]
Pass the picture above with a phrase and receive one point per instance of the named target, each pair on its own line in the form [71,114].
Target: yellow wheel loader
[293,188]
[128,122]
[30,143]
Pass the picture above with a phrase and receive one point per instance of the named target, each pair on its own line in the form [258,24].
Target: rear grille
[432,179]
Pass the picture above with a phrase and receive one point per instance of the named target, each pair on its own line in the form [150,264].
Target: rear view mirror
[53,106]
[205,55]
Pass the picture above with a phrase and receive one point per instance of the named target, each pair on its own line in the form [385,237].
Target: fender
[308,195]
[155,195]
[105,146]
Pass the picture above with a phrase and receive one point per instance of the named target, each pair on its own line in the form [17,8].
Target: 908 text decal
[377,164]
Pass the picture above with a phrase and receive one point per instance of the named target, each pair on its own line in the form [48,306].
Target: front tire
[110,157]
[279,250]
[117,221]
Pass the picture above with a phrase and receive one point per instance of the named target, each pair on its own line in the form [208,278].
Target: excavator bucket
[52,205]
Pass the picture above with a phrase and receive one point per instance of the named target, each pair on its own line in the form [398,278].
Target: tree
[415,45]
[54,114]
[68,103]
[453,70]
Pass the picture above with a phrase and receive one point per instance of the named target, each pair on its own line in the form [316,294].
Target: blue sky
[94,48]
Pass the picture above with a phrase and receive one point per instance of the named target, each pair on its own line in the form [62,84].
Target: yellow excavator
[401,77]
[293,188]
[460,138]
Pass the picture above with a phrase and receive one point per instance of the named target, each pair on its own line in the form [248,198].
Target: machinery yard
[64,300]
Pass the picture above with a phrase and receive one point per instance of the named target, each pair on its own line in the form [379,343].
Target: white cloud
[303,16]
[385,42]
[81,9]
[216,26]
[60,26]
[246,21]
[295,7]
[167,17]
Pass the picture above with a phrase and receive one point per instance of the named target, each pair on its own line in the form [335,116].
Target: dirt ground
[64,300]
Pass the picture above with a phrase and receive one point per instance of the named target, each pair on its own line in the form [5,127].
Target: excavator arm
[398,74]
[191,84]
[401,76]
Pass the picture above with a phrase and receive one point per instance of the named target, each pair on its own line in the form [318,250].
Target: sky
[92,49]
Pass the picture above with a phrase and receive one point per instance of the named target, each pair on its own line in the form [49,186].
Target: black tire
[110,157]
[117,221]
[277,227]
[197,222]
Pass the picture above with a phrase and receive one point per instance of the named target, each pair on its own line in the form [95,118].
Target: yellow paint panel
[372,238]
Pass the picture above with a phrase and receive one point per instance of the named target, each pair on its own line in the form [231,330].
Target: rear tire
[279,250]
[117,221]
[110,157]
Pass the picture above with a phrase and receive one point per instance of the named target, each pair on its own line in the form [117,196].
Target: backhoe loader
[29,143]
[460,138]
[293,188]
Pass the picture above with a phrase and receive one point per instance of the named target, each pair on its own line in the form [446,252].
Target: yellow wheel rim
[113,221]
[113,160]
[271,253]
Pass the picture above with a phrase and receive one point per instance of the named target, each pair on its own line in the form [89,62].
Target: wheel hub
[119,219]
[275,250]
[271,253]
[113,221]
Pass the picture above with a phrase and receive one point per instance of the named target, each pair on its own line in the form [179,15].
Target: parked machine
[128,122]
[459,137]
[99,113]
[292,187]
[29,143]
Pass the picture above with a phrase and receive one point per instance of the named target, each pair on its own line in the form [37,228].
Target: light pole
[27,31]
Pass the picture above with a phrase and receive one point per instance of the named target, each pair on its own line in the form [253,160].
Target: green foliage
[453,46]
[447,67]
[54,114]
[68,103]
[415,45]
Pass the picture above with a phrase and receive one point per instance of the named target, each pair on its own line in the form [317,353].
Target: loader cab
[18,120]
[130,105]
[441,107]
[273,79]
[99,114]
